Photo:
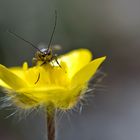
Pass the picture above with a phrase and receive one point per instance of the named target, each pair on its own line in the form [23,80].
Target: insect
[45,55]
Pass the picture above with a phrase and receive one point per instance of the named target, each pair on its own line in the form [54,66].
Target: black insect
[45,55]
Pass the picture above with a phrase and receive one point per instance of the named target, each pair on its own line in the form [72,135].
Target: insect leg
[39,74]
[43,63]
[55,58]
[37,78]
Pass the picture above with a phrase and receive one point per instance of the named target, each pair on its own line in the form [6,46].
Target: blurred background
[106,27]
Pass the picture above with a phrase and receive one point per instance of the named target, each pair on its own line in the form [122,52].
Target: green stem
[51,122]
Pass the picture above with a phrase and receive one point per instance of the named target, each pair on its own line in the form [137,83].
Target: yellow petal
[48,76]
[20,71]
[46,94]
[86,73]
[11,79]
[4,84]
[29,97]
[62,98]
[76,60]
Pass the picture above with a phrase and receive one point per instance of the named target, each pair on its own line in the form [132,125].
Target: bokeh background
[106,27]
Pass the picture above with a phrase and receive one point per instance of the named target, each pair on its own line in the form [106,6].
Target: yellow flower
[60,87]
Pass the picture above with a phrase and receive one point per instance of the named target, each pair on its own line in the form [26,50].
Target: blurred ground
[106,27]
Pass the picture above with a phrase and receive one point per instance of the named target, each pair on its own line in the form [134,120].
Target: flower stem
[51,122]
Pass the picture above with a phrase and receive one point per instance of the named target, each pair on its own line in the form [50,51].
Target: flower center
[47,75]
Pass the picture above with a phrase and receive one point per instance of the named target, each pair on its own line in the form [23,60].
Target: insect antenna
[55,23]
[16,35]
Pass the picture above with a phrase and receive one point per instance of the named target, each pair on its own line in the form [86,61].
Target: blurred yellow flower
[61,87]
